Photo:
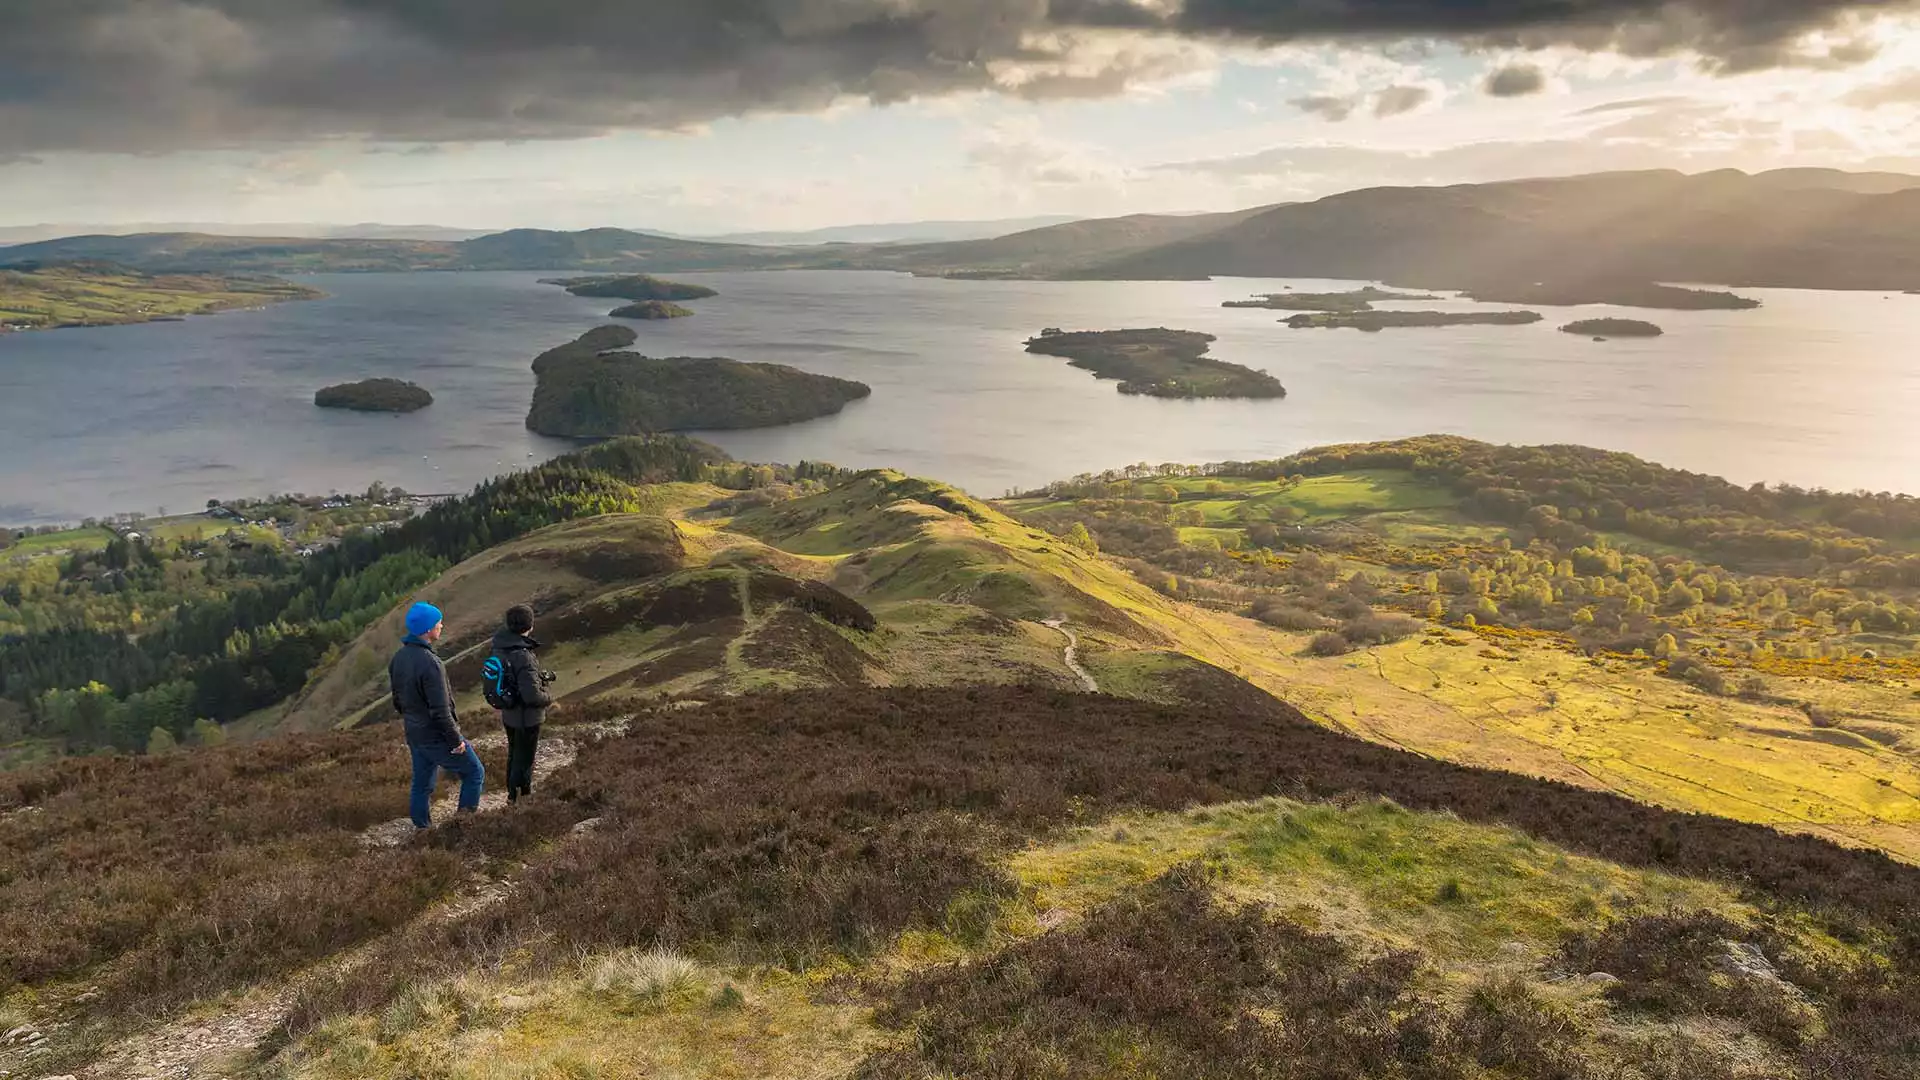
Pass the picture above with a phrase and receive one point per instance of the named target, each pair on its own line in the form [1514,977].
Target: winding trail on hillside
[1073,655]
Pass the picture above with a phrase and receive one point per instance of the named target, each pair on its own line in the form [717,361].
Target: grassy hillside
[882,580]
[821,798]
[44,297]
[1692,647]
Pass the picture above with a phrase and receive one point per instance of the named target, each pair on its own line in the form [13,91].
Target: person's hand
[461,749]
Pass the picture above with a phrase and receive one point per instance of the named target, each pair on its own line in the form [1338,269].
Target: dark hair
[519,618]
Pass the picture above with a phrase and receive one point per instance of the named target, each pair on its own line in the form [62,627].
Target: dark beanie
[519,618]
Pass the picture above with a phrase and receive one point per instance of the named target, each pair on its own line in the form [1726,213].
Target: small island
[1640,294]
[1157,363]
[650,309]
[55,296]
[374,395]
[1357,300]
[1373,322]
[1601,329]
[585,389]
[631,287]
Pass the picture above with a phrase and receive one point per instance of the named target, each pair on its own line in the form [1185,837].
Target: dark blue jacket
[516,652]
[422,697]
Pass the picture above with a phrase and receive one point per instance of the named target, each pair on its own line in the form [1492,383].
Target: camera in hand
[547,678]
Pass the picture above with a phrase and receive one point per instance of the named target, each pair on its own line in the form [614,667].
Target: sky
[710,116]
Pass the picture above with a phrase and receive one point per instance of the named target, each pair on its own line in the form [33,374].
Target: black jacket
[516,652]
[422,697]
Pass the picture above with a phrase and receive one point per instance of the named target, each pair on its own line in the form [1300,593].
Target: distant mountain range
[29,234]
[1803,228]
[904,232]
[1806,228]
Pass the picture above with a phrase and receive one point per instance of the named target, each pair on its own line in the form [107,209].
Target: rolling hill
[824,797]
[1724,228]
[1800,228]
[1043,251]
[518,249]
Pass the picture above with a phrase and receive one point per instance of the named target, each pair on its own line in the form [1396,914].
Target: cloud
[1398,100]
[1902,89]
[1023,156]
[1515,80]
[1632,104]
[158,75]
[1330,107]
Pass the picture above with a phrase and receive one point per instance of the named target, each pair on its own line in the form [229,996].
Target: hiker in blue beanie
[425,702]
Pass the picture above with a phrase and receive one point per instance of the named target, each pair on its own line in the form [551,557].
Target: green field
[63,296]
[69,540]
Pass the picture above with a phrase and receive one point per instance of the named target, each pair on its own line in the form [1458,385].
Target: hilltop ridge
[1787,229]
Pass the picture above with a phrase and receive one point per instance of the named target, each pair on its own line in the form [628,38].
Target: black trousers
[522,743]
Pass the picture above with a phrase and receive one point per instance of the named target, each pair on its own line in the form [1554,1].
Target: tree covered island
[374,395]
[587,389]
[1356,300]
[649,310]
[631,287]
[1375,321]
[1157,363]
[1612,328]
[1619,293]
[48,296]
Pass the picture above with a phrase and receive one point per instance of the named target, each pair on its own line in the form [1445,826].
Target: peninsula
[50,296]
[1157,363]
[1375,321]
[374,395]
[1640,294]
[1612,328]
[650,309]
[631,287]
[1357,300]
[586,390]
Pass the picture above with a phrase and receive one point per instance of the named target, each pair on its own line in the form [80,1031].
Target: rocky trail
[1073,655]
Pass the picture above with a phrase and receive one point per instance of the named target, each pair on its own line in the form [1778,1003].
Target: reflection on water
[1813,388]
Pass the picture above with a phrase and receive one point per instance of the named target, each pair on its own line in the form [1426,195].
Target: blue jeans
[427,763]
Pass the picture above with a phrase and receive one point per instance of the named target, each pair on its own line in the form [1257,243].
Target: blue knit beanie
[421,618]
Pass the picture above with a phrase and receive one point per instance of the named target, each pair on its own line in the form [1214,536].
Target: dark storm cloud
[1515,80]
[164,74]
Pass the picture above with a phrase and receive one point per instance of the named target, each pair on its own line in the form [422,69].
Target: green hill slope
[35,296]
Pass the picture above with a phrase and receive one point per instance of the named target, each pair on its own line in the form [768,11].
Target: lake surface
[1813,388]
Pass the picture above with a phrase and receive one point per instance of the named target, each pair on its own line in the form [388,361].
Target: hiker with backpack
[515,685]
[425,703]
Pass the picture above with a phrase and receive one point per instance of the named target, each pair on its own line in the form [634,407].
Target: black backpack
[498,684]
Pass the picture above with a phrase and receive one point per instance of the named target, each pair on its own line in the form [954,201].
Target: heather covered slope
[873,882]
